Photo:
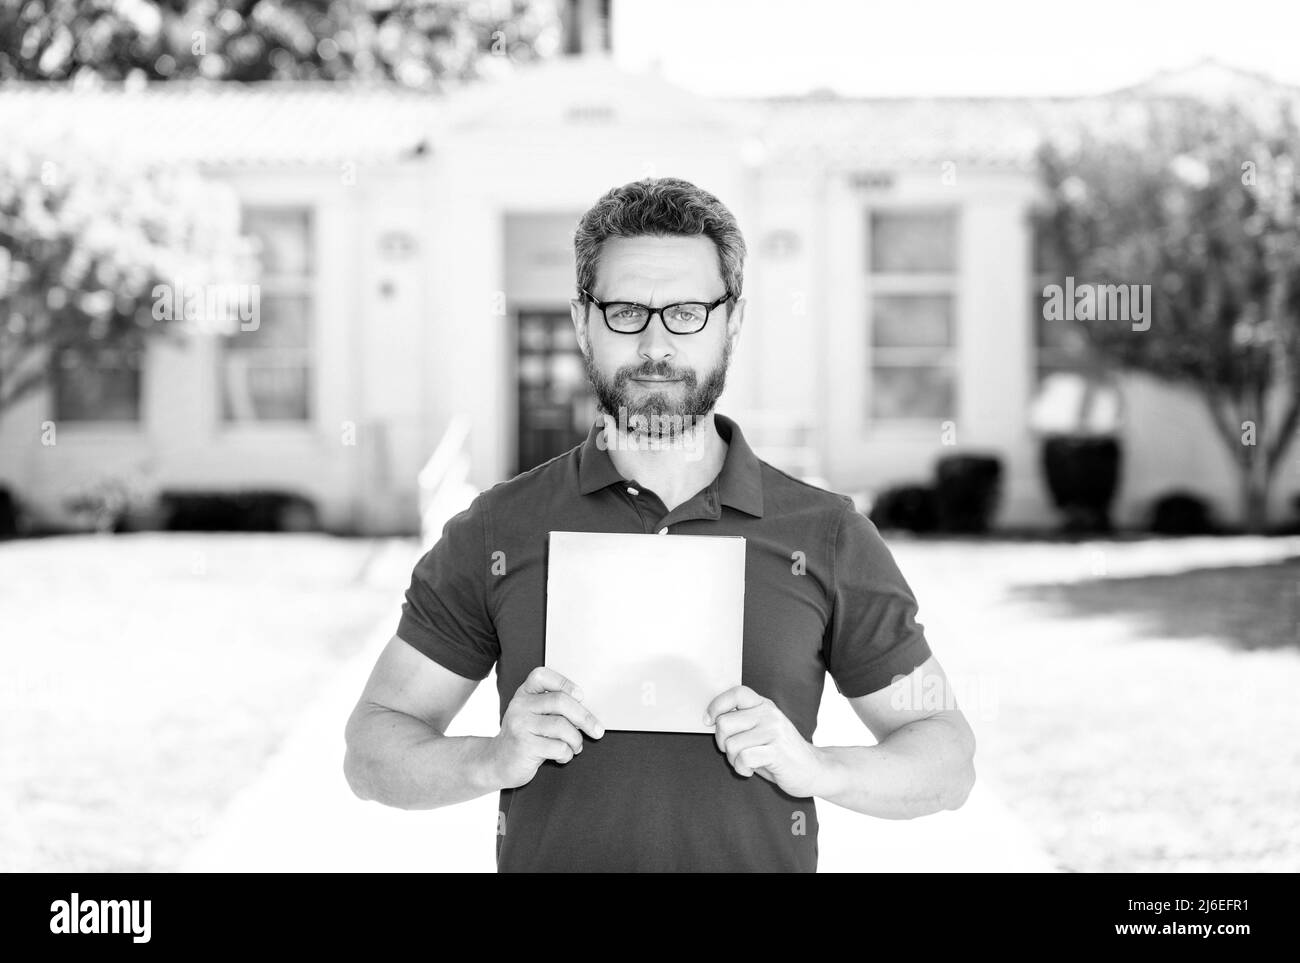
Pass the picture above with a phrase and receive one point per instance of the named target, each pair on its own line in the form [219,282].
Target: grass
[1151,724]
[145,678]
[1141,724]
[1245,608]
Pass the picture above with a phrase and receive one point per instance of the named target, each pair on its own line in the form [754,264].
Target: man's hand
[758,738]
[541,722]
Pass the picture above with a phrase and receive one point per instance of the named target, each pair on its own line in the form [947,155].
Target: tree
[84,245]
[416,43]
[1199,200]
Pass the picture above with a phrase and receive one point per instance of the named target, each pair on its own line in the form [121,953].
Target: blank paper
[650,627]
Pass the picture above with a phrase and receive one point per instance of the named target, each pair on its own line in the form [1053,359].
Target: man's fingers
[751,759]
[543,679]
[730,723]
[561,704]
[556,749]
[737,697]
[741,746]
[557,727]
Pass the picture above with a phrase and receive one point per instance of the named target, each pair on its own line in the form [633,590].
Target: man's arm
[397,752]
[923,761]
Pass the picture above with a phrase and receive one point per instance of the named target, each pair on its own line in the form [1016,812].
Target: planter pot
[967,488]
[1082,475]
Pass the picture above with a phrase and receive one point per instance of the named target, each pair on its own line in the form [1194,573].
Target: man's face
[676,377]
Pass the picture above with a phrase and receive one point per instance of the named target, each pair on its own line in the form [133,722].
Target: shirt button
[664,530]
[633,491]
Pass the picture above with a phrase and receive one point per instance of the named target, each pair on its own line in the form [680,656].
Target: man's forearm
[921,768]
[401,761]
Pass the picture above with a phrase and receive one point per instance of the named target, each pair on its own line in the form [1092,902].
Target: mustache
[659,370]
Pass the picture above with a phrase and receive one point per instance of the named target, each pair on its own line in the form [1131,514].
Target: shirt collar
[740,483]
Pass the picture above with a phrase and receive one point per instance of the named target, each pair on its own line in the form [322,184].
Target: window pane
[911,320]
[99,385]
[282,322]
[265,371]
[913,241]
[265,385]
[912,392]
[283,237]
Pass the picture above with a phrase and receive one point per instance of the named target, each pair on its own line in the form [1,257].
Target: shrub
[8,513]
[908,507]
[238,511]
[105,503]
[1181,513]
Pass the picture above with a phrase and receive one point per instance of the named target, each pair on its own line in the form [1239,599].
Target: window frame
[304,286]
[130,425]
[909,283]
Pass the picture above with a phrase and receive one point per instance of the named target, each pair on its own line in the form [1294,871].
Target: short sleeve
[873,635]
[445,615]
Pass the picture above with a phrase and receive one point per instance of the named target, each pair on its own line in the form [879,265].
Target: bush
[1181,513]
[967,488]
[912,508]
[1082,476]
[8,513]
[242,511]
[106,502]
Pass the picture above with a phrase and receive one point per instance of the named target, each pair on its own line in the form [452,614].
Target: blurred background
[283,284]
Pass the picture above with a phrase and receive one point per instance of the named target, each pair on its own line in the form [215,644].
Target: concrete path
[301,816]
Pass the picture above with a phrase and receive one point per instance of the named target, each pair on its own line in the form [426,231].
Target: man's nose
[656,341]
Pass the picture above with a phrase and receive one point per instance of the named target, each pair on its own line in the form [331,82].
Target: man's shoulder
[557,474]
[784,493]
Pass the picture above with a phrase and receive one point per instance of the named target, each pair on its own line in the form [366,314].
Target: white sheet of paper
[650,627]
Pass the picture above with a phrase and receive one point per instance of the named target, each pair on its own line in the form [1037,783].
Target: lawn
[145,678]
[1136,723]
[1145,724]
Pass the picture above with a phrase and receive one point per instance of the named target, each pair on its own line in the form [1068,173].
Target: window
[912,289]
[97,384]
[1059,346]
[266,369]
[910,242]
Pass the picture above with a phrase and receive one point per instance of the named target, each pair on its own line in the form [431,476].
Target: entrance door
[556,404]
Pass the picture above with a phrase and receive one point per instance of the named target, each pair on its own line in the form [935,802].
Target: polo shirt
[822,595]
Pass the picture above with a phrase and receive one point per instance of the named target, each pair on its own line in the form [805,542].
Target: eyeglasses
[628,317]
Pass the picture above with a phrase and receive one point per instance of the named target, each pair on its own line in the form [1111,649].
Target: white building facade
[420,263]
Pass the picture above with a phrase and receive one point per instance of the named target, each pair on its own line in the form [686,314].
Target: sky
[944,47]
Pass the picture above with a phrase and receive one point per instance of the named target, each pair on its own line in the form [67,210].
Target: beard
[656,413]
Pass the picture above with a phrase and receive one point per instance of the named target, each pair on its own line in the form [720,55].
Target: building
[421,263]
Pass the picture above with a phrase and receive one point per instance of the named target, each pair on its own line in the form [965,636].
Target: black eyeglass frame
[651,312]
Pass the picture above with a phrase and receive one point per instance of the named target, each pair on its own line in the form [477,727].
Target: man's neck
[674,470]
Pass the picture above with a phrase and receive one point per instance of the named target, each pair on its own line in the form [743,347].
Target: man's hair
[663,206]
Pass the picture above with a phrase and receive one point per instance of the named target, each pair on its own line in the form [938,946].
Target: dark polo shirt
[822,594]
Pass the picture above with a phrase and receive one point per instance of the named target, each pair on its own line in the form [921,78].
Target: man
[658,312]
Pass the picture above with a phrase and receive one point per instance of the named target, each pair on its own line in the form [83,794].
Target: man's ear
[735,318]
[578,312]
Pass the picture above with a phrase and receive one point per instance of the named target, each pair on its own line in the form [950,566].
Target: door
[556,405]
